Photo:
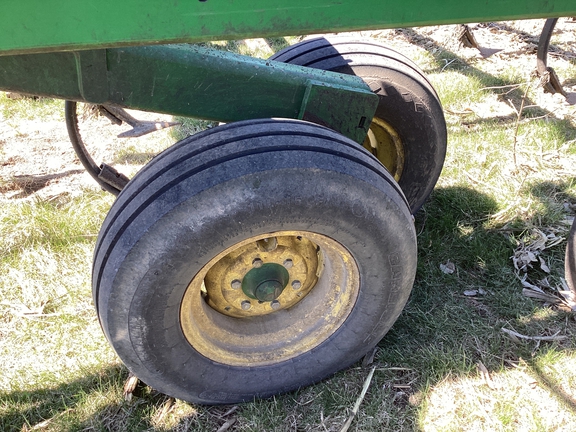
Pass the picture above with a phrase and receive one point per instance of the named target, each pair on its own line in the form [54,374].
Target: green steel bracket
[195,82]
[320,102]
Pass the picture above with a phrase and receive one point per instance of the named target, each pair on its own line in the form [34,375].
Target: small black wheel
[570,261]
[408,132]
[252,259]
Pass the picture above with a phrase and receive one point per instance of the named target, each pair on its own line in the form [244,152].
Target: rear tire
[408,132]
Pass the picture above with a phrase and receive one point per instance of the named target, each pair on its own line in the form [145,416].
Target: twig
[448,63]
[554,337]
[359,401]
[467,111]
[518,123]
[513,86]
[226,425]
[230,411]
[396,369]
[44,424]
[485,375]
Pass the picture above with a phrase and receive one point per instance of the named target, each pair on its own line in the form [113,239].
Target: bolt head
[245,305]
[275,304]
[236,284]
[267,244]
[296,284]
[257,263]
[288,263]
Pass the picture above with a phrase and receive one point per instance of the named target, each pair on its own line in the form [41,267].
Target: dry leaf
[540,295]
[515,335]
[130,386]
[568,295]
[448,268]
[543,265]
[474,292]
[163,411]
[369,358]
[528,285]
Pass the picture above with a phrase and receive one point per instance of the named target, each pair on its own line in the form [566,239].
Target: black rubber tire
[408,102]
[570,261]
[220,187]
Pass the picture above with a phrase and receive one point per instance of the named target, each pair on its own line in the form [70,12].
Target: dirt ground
[37,160]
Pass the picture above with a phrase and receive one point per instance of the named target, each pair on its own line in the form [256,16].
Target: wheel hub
[251,280]
[265,283]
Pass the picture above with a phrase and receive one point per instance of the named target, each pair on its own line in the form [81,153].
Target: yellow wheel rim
[385,143]
[226,325]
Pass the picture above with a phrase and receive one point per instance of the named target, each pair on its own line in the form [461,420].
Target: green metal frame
[84,51]
[195,82]
[53,25]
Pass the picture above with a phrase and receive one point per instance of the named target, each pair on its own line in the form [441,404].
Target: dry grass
[446,364]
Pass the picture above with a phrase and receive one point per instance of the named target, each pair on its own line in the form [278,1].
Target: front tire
[179,278]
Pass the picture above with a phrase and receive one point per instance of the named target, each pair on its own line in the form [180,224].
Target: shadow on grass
[29,184]
[453,321]
[93,403]
[501,86]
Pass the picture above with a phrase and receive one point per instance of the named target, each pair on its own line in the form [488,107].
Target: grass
[445,365]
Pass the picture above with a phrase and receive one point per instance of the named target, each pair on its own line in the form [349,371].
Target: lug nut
[257,263]
[288,263]
[267,244]
[275,304]
[245,305]
[296,284]
[236,284]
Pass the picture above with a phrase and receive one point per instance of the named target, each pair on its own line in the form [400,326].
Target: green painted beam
[196,82]
[52,25]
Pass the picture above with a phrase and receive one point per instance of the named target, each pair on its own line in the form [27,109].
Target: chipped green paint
[50,25]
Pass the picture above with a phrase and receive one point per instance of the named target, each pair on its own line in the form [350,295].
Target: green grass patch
[22,107]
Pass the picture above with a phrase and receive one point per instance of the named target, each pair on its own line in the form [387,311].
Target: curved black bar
[93,169]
